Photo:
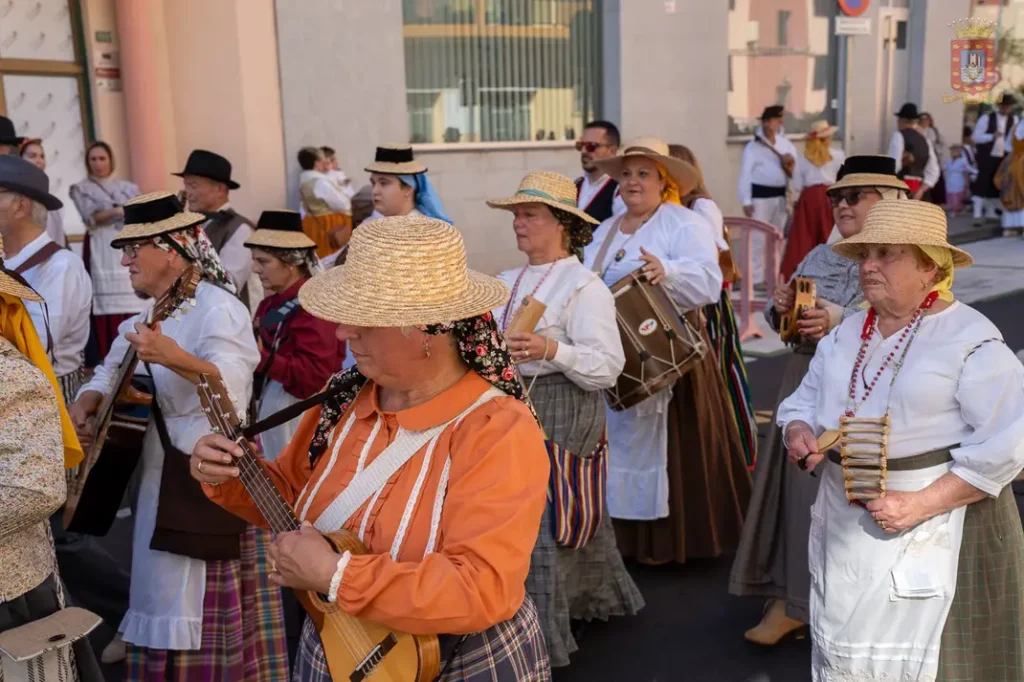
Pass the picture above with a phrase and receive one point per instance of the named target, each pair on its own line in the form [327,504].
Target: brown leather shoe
[775,625]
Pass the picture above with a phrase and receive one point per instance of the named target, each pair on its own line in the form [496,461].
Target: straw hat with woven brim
[153,214]
[918,223]
[280,230]
[685,175]
[10,285]
[821,128]
[395,159]
[552,189]
[868,170]
[402,271]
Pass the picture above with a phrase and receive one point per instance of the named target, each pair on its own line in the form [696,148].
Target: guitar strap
[38,258]
[771,147]
[286,415]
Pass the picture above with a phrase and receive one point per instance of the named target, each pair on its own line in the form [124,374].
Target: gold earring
[426,348]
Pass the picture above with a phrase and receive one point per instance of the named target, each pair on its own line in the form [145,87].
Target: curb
[976,234]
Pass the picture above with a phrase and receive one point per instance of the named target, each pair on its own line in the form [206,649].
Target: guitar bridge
[373,659]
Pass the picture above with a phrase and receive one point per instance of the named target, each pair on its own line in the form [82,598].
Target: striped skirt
[586,583]
[243,627]
[725,341]
[511,651]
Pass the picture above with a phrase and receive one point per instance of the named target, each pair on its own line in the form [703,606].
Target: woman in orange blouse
[450,533]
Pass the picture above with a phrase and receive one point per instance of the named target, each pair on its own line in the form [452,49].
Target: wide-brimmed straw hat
[395,159]
[685,175]
[918,223]
[280,230]
[153,214]
[543,187]
[402,271]
[821,128]
[11,284]
[868,170]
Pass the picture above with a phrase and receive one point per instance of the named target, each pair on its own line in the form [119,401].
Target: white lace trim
[435,518]
[330,465]
[414,496]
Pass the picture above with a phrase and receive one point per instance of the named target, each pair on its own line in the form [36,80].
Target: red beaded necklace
[867,333]
[507,317]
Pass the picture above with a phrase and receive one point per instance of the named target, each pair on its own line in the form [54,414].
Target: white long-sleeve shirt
[808,175]
[931,168]
[760,166]
[708,209]
[1000,139]
[65,286]
[580,316]
[945,395]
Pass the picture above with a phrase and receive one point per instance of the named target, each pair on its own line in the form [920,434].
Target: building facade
[486,90]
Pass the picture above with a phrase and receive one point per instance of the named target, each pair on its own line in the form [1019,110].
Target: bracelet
[332,593]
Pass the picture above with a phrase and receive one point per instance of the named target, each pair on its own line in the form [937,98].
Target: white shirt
[165,609]
[808,175]
[55,226]
[761,166]
[957,172]
[708,209]
[342,182]
[589,190]
[65,286]
[931,168]
[580,316]
[879,601]
[939,399]
[236,258]
[1000,143]
[325,189]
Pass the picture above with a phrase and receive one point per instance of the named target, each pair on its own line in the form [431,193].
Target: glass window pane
[36,29]
[50,108]
[780,52]
[501,70]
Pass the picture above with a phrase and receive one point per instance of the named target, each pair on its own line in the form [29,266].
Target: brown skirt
[708,481]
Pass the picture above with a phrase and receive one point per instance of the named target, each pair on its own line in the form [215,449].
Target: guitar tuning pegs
[192,301]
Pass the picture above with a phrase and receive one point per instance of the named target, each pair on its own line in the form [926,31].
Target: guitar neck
[264,493]
[122,379]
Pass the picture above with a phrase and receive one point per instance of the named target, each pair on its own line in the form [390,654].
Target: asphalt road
[691,629]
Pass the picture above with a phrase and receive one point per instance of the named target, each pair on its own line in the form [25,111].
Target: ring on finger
[199,467]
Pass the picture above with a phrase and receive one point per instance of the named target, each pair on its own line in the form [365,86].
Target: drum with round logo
[660,344]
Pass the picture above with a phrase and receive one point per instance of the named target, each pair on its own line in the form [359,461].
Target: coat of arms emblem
[972,59]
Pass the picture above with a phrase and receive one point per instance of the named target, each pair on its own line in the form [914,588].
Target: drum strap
[602,253]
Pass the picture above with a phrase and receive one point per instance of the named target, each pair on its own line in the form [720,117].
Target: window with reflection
[780,52]
[501,70]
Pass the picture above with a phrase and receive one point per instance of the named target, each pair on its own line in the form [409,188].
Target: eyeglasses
[852,197]
[132,250]
[590,147]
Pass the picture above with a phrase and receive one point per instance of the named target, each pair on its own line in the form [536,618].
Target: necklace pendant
[619,255]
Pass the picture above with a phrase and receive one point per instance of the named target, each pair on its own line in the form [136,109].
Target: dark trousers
[92,577]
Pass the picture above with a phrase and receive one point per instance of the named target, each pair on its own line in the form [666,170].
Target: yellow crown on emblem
[973,28]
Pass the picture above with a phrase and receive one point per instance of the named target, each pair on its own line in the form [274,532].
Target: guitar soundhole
[373,659]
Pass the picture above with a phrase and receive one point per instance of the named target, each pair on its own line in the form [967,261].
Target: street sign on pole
[854,8]
[853,26]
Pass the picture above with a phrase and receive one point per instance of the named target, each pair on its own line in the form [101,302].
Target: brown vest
[220,228]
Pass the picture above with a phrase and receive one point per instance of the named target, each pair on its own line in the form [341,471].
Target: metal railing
[741,231]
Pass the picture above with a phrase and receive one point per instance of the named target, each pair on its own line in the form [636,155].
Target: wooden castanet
[806,298]
[356,649]
[526,316]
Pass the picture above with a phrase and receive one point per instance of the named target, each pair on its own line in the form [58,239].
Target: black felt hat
[774,111]
[209,165]
[7,134]
[909,112]
[26,179]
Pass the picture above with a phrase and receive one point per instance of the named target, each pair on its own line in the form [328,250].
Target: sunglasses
[590,147]
[852,197]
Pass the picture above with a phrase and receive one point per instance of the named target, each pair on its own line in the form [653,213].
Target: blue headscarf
[427,201]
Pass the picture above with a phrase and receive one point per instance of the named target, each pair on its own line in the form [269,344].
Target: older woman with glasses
[916,548]
[772,558]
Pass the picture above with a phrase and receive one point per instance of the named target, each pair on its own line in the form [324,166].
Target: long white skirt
[879,601]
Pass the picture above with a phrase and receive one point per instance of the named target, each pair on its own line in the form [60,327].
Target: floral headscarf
[481,346]
[193,245]
[302,258]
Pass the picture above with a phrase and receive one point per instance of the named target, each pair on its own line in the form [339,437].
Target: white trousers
[772,211]
[984,206]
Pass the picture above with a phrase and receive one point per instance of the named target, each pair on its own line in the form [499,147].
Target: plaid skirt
[983,638]
[590,582]
[243,627]
[511,651]
[725,341]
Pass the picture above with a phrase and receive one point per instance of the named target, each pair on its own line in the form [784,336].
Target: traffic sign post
[854,8]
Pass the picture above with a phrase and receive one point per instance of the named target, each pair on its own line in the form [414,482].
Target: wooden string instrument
[806,298]
[91,504]
[526,316]
[355,649]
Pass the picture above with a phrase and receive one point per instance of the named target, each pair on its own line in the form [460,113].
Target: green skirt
[983,639]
